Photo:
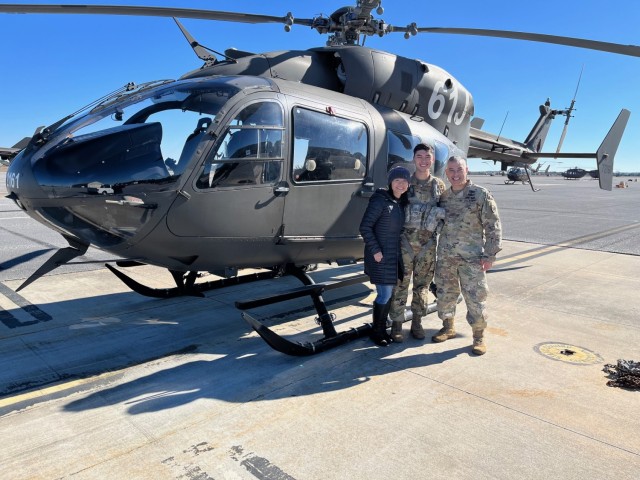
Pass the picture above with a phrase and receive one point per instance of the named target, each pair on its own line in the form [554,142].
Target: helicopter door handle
[281,189]
[133,202]
[367,189]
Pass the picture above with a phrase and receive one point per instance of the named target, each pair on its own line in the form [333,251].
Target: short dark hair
[422,146]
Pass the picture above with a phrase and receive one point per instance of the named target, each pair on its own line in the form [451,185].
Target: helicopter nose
[102,188]
[20,182]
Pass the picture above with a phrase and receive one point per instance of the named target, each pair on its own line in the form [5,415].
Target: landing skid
[185,283]
[186,286]
[325,319]
[331,338]
[298,349]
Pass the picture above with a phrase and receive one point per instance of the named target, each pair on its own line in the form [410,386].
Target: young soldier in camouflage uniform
[418,243]
[469,241]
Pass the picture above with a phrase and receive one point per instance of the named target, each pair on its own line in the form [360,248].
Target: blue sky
[54,64]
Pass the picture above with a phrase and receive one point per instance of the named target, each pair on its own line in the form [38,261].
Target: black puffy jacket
[380,228]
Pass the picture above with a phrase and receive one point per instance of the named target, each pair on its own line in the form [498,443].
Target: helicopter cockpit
[160,119]
[165,130]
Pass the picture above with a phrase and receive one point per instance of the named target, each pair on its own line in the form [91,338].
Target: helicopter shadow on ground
[24,258]
[101,333]
[253,372]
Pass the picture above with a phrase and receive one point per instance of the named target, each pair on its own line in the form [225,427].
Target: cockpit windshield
[153,129]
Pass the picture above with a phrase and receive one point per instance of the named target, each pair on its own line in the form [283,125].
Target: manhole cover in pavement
[568,353]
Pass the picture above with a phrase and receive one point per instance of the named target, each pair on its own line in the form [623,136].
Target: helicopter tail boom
[493,147]
[605,153]
[509,152]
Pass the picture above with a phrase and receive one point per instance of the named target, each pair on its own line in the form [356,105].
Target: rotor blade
[568,112]
[200,51]
[564,132]
[632,50]
[152,12]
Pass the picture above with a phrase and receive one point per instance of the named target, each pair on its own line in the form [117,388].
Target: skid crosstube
[331,338]
[325,319]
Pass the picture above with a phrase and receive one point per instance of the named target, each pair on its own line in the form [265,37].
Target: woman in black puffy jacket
[380,228]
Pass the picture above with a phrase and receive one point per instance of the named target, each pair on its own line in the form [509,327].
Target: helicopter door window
[442,155]
[250,152]
[400,148]
[328,148]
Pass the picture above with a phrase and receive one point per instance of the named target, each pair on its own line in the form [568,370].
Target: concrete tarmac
[101,383]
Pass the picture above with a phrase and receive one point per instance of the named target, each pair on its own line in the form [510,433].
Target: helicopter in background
[574,173]
[521,174]
[259,160]
[517,174]
[7,153]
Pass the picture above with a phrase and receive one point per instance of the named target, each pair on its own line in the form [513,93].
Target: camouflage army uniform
[471,232]
[418,246]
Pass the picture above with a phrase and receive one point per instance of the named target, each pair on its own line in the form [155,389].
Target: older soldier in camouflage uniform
[418,243]
[469,241]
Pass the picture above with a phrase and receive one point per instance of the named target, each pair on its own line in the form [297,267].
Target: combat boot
[446,332]
[396,330]
[479,347]
[417,331]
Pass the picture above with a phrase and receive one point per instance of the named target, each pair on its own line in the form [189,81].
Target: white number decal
[453,95]
[436,99]
[457,119]
[13,181]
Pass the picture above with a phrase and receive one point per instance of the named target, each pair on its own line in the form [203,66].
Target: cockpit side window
[400,149]
[442,155]
[327,147]
[250,152]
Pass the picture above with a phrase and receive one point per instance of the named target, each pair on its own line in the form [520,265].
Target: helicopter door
[234,192]
[329,163]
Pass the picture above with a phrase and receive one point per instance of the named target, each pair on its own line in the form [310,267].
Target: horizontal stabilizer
[477,122]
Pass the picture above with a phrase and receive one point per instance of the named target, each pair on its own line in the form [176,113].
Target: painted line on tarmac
[55,391]
[547,249]
[12,322]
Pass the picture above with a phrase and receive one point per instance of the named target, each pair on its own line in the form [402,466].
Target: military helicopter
[7,153]
[518,174]
[574,173]
[521,174]
[259,160]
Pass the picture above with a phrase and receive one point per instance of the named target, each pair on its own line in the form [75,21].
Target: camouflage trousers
[419,263]
[455,275]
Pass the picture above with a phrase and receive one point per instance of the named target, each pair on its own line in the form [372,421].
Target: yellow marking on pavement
[43,392]
[568,353]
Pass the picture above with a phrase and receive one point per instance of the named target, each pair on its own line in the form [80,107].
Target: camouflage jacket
[423,196]
[472,228]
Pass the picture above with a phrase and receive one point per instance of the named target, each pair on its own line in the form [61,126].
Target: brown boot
[417,331]
[479,347]
[446,332]
[396,331]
